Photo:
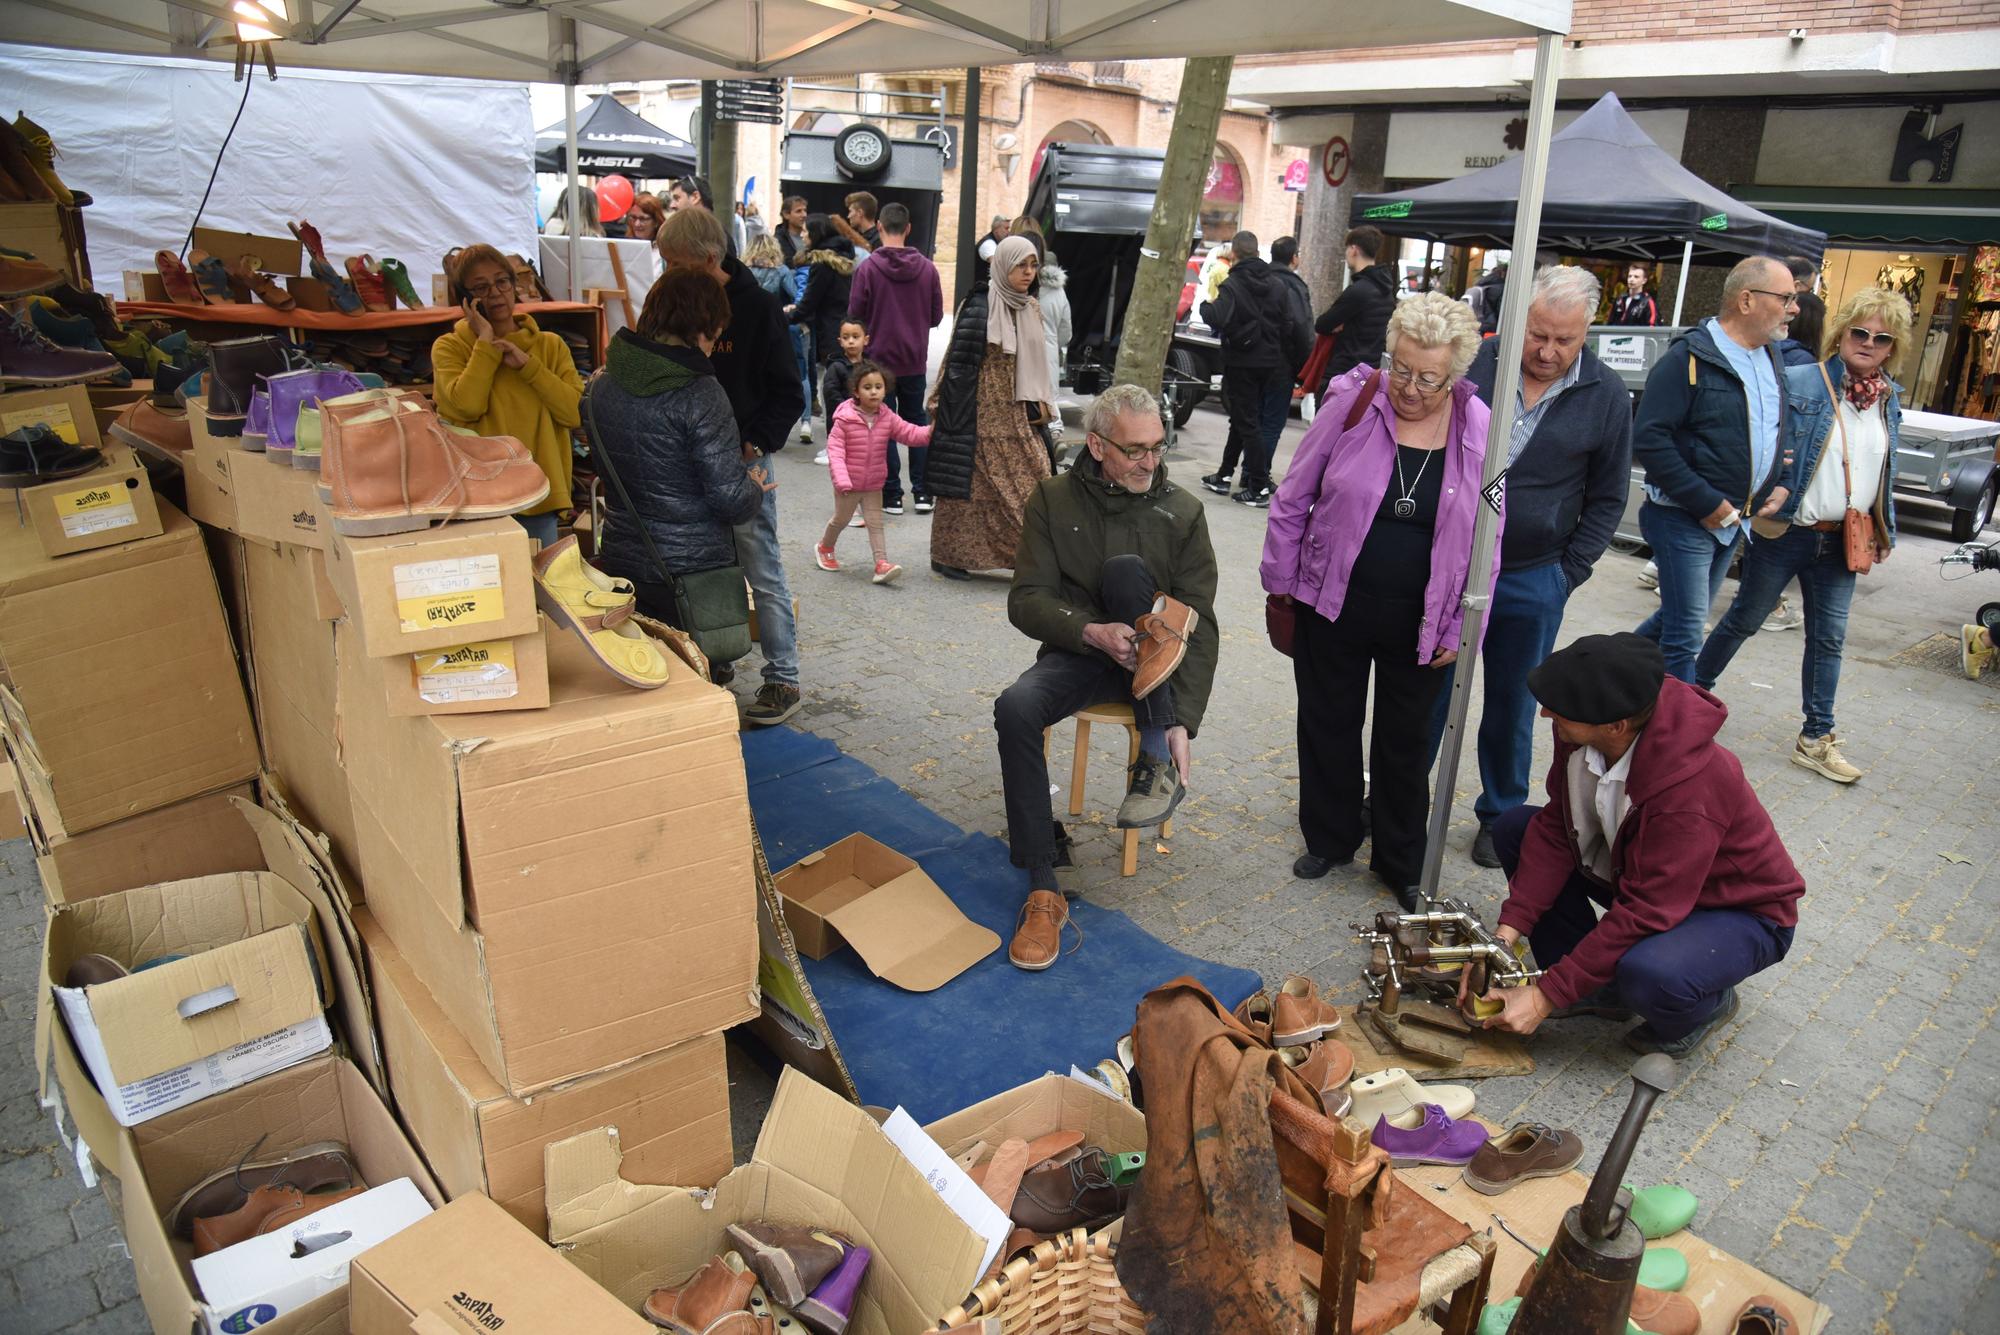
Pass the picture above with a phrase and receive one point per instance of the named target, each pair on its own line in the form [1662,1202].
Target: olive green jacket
[1072,524]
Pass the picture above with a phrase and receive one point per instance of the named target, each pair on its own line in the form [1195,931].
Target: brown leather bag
[1857,530]
[1281,613]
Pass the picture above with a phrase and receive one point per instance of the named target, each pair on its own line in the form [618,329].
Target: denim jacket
[1808,423]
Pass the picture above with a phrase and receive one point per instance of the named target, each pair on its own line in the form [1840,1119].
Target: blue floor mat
[993,1026]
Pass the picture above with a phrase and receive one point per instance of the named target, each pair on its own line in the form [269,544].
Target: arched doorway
[1222,196]
[1068,132]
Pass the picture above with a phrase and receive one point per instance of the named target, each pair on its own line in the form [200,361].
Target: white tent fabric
[390,166]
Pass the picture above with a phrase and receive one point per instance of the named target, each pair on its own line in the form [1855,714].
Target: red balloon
[614,197]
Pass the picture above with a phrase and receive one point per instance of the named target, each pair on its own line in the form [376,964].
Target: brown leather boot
[310,1168]
[393,467]
[1162,642]
[718,1289]
[1298,1015]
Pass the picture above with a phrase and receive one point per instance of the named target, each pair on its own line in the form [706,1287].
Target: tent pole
[1506,386]
[1681,289]
[571,212]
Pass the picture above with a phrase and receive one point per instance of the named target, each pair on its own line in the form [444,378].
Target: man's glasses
[1135,452]
[1425,383]
[1868,338]
[1791,299]
[485,290]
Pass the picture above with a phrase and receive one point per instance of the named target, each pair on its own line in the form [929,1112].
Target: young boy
[836,383]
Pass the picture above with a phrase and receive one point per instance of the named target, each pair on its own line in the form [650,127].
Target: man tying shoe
[1115,578]
[1651,818]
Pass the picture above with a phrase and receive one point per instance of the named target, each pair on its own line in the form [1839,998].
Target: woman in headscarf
[986,458]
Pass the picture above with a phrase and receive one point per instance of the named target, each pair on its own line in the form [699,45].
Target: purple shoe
[28,357]
[1438,1140]
[828,1308]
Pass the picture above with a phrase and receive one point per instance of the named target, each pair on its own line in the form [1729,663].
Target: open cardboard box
[671,1109]
[1052,1103]
[819,1161]
[202,836]
[863,893]
[472,1268]
[322,1099]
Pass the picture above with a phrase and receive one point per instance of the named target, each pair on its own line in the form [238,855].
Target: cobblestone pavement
[1840,1133]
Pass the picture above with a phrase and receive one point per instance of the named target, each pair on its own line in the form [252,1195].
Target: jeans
[777,628]
[1675,979]
[802,353]
[1520,632]
[1059,684]
[908,401]
[1692,564]
[1257,400]
[1827,586]
[542,527]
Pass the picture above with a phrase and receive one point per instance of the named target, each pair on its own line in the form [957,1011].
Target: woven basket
[1066,1286]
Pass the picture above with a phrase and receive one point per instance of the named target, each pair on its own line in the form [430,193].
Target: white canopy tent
[565,41]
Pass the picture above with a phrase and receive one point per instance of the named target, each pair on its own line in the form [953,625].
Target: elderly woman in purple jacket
[1371,538]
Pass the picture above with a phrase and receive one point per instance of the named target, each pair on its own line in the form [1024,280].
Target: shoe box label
[460,591]
[55,416]
[96,509]
[484,671]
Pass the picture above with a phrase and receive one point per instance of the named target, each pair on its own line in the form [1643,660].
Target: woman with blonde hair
[1842,419]
[1370,539]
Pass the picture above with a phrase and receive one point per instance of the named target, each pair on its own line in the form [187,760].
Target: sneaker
[1217,483]
[1154,791]
[823,558]
[1649,577]
[1974,658]
[1257,498]
[886,572]
[1642,1039]
[859,521]
[924,504]
[1038,931]
[1784,617]
[806,432]
[1822,756]
[820,458]
[894,507]
[774,704]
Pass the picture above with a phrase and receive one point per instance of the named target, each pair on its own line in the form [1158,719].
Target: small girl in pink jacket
[857,450]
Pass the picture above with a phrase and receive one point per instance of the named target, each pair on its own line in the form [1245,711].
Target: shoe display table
[241,319]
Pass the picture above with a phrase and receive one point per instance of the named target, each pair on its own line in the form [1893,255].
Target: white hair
[1747,274]
[1434,320]
[1564,285]
[1117,402]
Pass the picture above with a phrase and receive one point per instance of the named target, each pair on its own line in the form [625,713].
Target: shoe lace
[25,330]
[237,1172]
[1031,909]
[1144,770]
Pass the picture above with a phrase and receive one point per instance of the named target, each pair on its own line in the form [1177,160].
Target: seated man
[1116,578]
[1650,817]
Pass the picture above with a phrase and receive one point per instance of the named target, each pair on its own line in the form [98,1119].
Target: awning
[612,138]
[1884,217]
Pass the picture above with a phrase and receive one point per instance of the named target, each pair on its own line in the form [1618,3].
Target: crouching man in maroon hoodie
[1652,819]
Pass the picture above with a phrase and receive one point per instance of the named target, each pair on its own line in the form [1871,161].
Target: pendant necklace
[1406,505]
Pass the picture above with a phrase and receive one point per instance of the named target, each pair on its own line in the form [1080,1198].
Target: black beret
[1600,678]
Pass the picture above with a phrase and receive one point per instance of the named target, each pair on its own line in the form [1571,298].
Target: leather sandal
[182,290]
[599,609]
[213,276]
[267,289]
[366,276]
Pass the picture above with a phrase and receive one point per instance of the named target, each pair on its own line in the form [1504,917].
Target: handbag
[1281,614]
[711,605]
[1857,530]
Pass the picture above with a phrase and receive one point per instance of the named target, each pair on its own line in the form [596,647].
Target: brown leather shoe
[1654,1311]
[1298,1016]
[1326,1066]
[1764,1315]
[1038,934]
[393,467]
[1080,1194]
[1254,1014]
[1529,1149]
[268,1209]
[23,277]
[720,1288]
[1162,642]
[287,1215]
[145,425]
[310,1168]
[790,1260]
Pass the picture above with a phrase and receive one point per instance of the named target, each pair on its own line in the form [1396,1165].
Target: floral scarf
[1865,394]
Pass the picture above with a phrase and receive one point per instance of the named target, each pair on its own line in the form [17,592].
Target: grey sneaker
[1822,755]
[774,704]
[1154,792]
[1784,617]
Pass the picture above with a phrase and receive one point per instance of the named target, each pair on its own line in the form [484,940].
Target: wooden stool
[1118,715]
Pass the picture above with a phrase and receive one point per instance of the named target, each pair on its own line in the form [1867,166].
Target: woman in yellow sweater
[500,374]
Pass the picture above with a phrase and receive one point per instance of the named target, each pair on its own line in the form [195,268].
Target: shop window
[1222,197]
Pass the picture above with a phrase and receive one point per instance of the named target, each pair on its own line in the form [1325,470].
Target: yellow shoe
[1971,655]
[599,609]
[41,154]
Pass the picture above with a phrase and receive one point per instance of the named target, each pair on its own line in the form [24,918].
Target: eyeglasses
[502,283]
[1791,299]
[1869,338]
[1424,384]
[1135,452]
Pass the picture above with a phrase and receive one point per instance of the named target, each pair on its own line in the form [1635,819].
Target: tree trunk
[1149,319]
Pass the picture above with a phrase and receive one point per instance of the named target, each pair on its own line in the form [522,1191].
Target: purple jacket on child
[857,448]
[1323,508]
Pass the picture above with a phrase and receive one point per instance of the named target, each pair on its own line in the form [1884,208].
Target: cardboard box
[819,1161]
[261,1278]
[607,838]
[485,677]
[242,1000]
[52,233]
[12,826]
[211,496]
[438,587]
[863,893]
[324,1099]
[124,694]
[278,503]
[64,409]
[101,508]
[1052,1103]
[203,836]
[671,1109]
[274,254]
[472,1268]
[310,293]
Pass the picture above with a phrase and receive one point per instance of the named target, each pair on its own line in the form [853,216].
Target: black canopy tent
[612,138]
[1612,194]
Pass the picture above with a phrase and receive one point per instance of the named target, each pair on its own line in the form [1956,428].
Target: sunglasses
[1868,338]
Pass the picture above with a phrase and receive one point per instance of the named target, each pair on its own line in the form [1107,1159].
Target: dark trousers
[1331,665]
[1257,399]
[908,401]
[1674,980]
[1059,684]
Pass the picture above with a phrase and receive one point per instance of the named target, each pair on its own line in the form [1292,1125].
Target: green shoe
[1661,1211]
[1155,790]
[398,279]
[1498,1316]
[41,154]
[1664,1269]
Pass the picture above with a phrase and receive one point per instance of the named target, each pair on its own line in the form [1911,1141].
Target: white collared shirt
[1599,806]
[1867,440]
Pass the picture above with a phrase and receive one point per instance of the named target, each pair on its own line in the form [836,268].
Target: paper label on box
[55,416]
[484,671]
[95,510]
[460,591]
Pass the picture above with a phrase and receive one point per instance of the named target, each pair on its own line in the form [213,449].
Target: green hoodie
[644,368]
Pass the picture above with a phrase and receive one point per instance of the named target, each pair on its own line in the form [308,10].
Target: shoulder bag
[1857,530]
[1281,614]
[711,605]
